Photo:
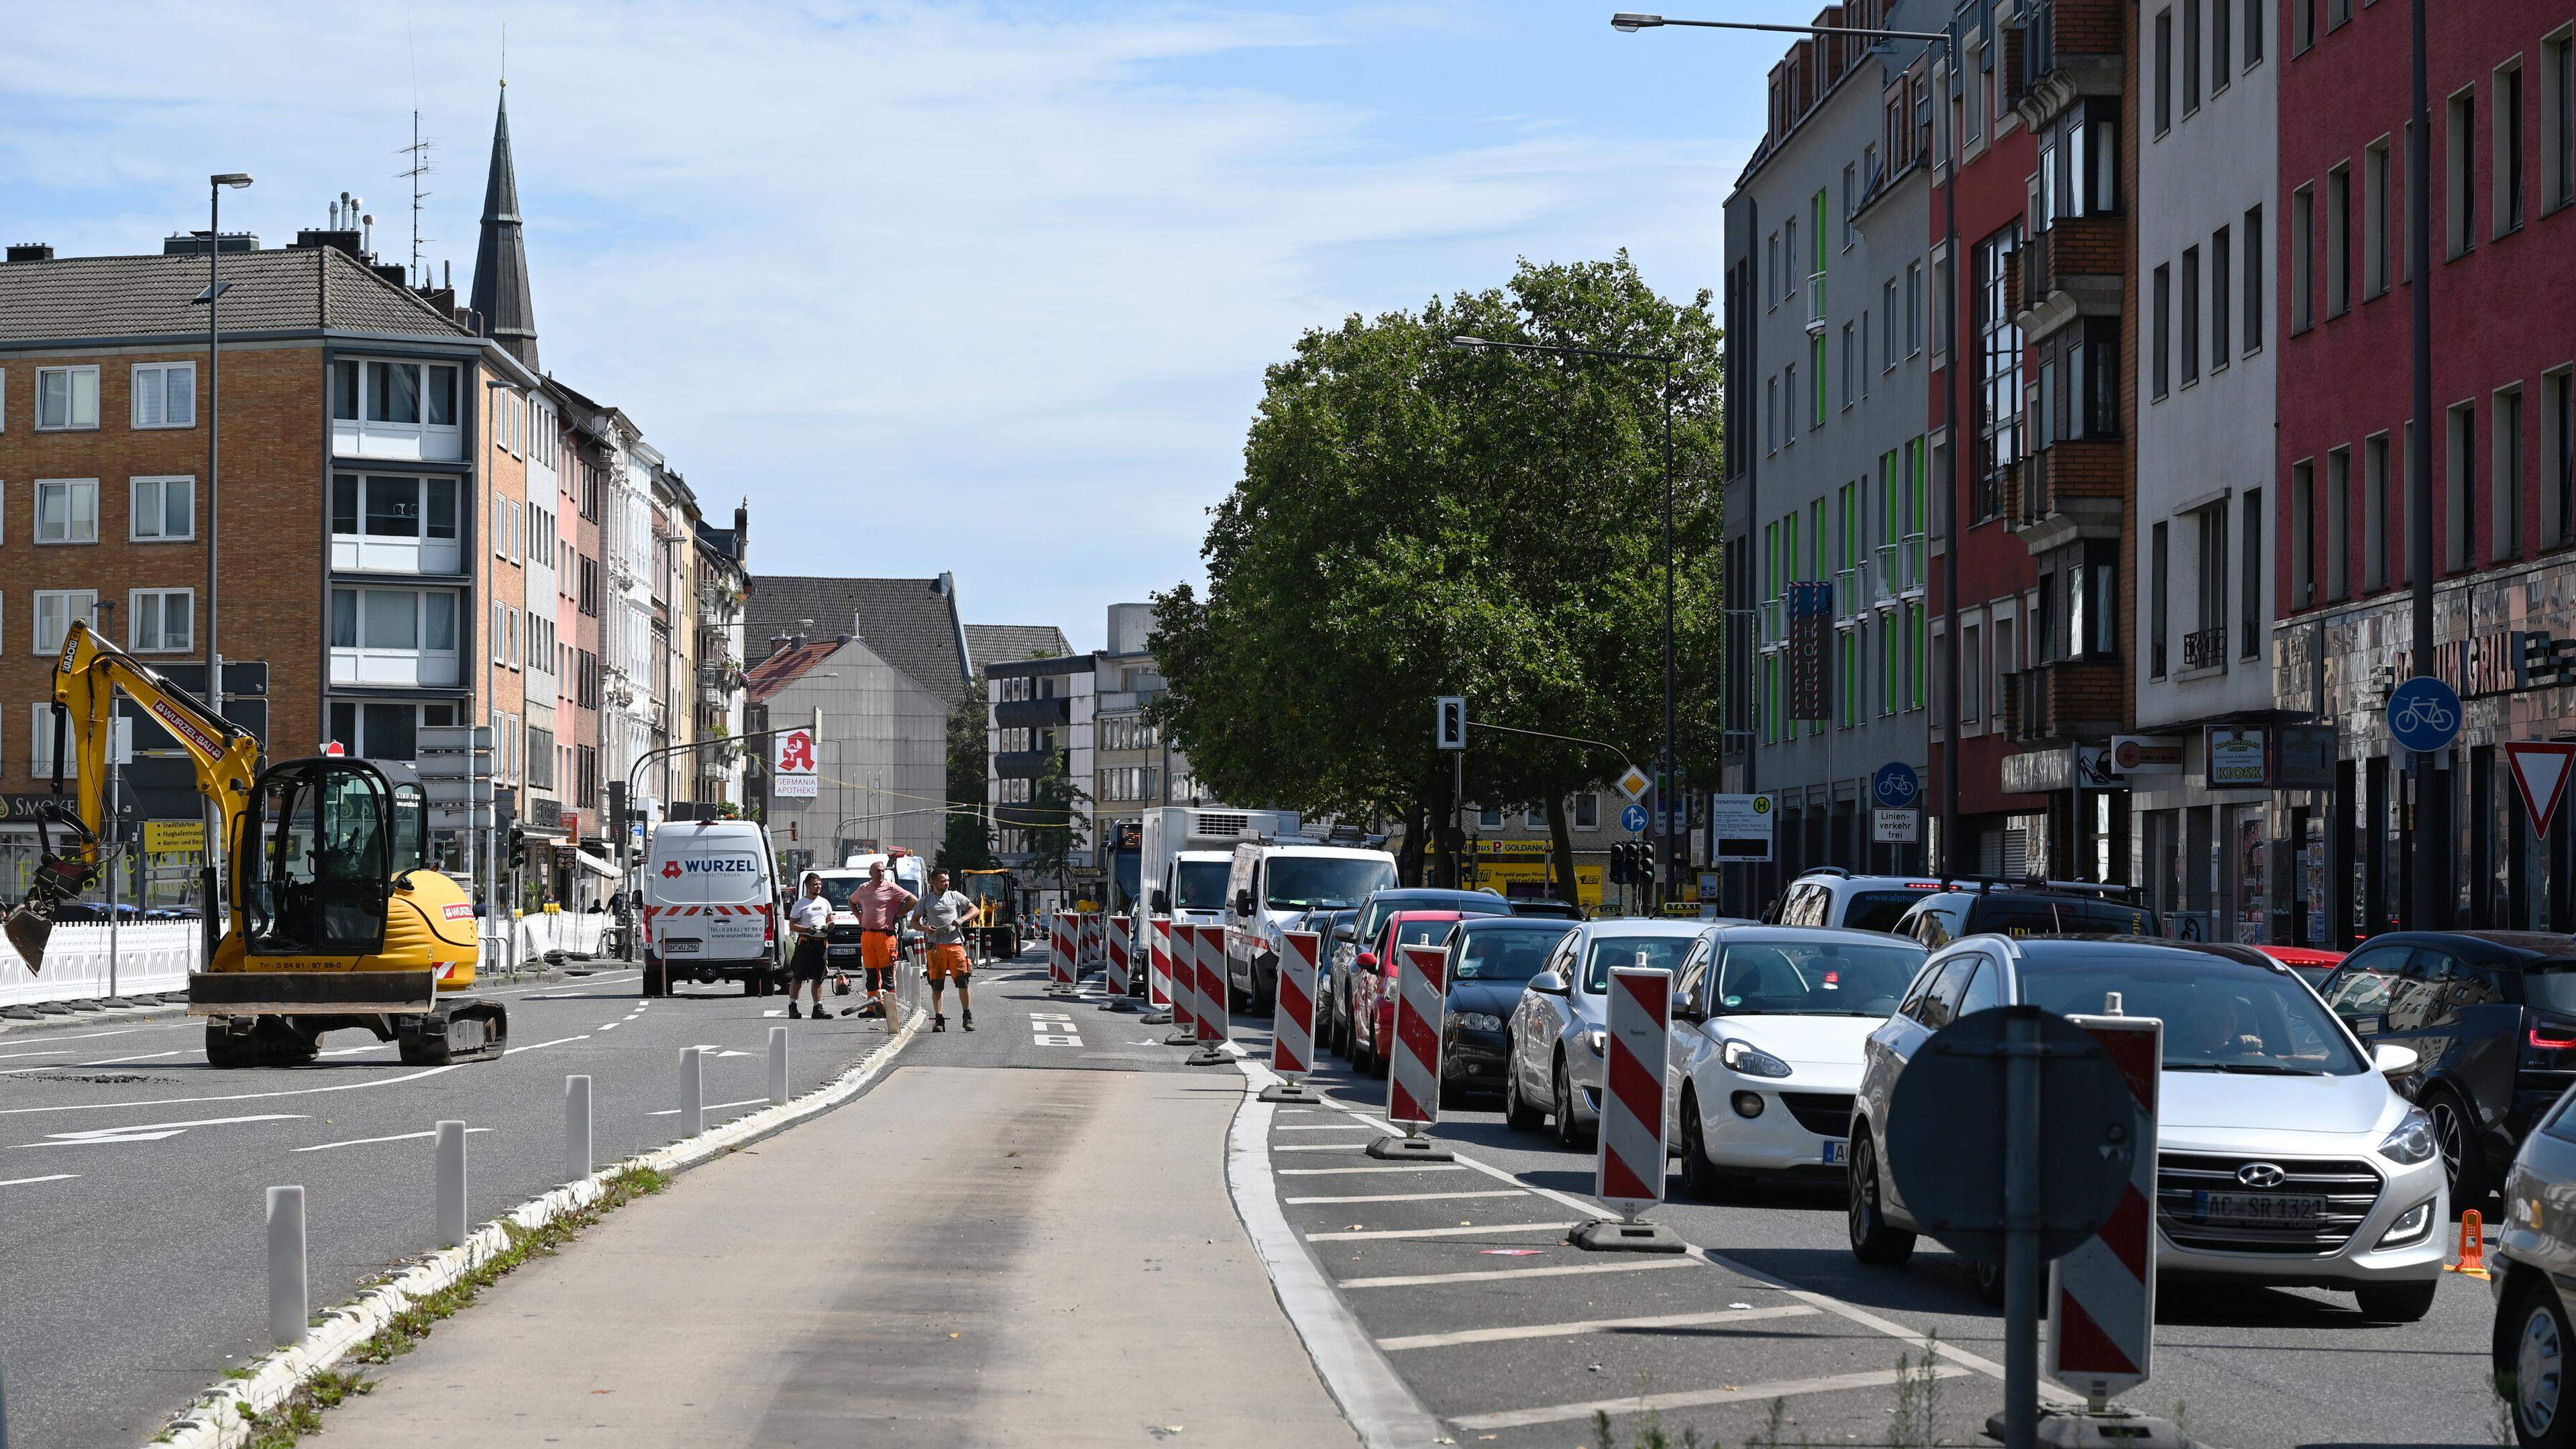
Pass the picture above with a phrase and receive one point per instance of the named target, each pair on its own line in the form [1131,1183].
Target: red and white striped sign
[1087,942]
[1421,1020]
[1292,1022]
[1180,953]
[1117,958]
[2102,1296]
[1628,1170]
[1155,934]
[1060,953]
[1214,1016]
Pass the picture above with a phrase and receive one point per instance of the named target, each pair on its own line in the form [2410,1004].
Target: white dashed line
[1469,1230]
[1693,1398]
[1407,1197]
[49,1177]
[1589,1325]
[397,1137]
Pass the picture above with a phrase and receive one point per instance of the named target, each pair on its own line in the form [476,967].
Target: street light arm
[1477,724]
[1472,344]
[1651,22]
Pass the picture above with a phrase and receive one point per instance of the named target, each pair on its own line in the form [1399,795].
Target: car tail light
[768,925]
[2554,1037]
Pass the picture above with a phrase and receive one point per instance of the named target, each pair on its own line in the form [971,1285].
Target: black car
[1333,1013]
[1490,959]
[1961,909]
[1545,909]
[2492,1015]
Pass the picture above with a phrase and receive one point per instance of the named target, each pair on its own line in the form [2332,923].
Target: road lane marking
[710,1107]
[1467,1231]
[1491,1275]
[22,1056]
[236,1096]
[150,1131]
[1341,1171]
[1323,1127]
[532,1046]
[1588,1325]
[1407,1196]
[612,1026]
[49,1177]
[92,1066]
[397,1137]
[1692,1398]
[120,1031]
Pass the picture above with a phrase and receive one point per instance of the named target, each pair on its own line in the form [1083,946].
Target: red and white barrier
[1180,952]
[1628,1168]
[1060,956]
[2102,1296]
[1215,1019]
[1421,1020]
[1154,935]
[1086,946]
[1292,1023]
[1115,959]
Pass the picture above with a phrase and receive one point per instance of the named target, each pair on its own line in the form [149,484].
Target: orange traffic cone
[2473,1247]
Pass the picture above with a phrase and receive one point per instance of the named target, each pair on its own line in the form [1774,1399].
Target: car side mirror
[1548,983]
[1243,903]
[1684,1009]
[2392,1061]
[1346,933]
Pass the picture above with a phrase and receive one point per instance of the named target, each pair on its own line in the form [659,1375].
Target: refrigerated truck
[1187,852]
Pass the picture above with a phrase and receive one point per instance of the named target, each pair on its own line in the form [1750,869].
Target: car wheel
[1518,1113]
[2532,1342]
[1700,1176]
[2463,1159]
[2397,1302]
[1872,1240]
[1569,1133]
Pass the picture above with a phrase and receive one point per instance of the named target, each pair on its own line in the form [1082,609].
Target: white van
[711,907]
[1271,882]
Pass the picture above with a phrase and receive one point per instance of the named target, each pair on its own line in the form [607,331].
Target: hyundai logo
[2261,1174]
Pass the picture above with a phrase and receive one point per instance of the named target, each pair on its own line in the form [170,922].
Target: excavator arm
[87,678]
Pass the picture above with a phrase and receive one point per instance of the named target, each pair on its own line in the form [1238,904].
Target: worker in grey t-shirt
[942,915]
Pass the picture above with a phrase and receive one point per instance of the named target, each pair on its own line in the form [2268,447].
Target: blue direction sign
[1633,819]
[1895,785]
[2424,714]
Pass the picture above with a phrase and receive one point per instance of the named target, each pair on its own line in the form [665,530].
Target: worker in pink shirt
[881,905]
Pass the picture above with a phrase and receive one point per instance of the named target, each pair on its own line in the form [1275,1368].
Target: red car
[2313,964]
[1373,983]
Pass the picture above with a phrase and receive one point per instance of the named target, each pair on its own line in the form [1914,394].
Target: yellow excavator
[335,919]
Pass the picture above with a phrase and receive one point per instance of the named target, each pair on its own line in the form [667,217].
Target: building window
[2375,204]
[66,398]
[2303,502]
[387,731]
[2338,241]
[2338,523]
[2254,259]
[164,510]
[165,395]
[2305,20]
[2303,205]
[2461,446]
[2505,528]
[66,510]
[2164,71]
[2558,456]
[395,523]
[2249,592]
[2079,382]
[1849,354]
[2459,198]
[2338,14]
[2161,321]
[1913,308]
[2211,618]
[2374,513]
[2253,33]
[396,409]
[2190,315]
[1489,817]
[160,621]
[2558,119]
[394,637]
[2222,42]
[1972,673]
[55,610]
[2222,291]
[2506,184]
[1999,360]
[2190,56]
[2159,607]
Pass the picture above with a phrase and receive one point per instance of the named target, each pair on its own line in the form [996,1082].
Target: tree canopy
[1417,518]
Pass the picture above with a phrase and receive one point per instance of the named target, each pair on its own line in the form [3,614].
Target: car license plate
[844,950]
[681,947]
[2262,1209]
[1837,1152]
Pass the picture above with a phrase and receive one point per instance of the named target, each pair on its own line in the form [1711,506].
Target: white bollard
[577,1157]
[693,1093]
[451,1184]
[778,1064]
[287,1303]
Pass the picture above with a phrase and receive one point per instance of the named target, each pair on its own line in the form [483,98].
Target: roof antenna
[418,151]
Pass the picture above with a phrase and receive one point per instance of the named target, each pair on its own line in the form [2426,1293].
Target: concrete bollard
[451,1184]
[778,1064]
[577,1155]
[693,1092]
[287,1300]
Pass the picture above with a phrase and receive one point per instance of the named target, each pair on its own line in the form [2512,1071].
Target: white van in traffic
[1271,882]
[711,907]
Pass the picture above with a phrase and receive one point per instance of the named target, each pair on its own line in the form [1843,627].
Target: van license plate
[678,947]
[2261,1209]
[1837,1152]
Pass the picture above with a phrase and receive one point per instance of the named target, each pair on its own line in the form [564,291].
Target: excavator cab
[323,844]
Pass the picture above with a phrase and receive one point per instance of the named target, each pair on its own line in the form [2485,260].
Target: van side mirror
[1161,904]
[1243,902]
[1548,983]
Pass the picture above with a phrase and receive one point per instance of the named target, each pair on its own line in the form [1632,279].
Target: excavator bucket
[28,932]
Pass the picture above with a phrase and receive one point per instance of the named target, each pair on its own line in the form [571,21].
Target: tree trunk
[1408,863]
[1560,851]
[1444,791]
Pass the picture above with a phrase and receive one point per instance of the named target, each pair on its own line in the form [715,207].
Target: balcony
[1849,604]
[1890,573]
[2063,50]
[1913,559]
[1815,304]
[2061,701]
[2071,270]
[2205,648]
[2065,491]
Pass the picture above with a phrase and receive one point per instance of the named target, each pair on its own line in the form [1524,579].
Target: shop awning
[595,864]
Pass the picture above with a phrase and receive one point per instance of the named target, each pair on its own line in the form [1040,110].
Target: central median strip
[1580,1327]
[1408,1196]
[1463,1230]
[1694,1398]
[1505,1275]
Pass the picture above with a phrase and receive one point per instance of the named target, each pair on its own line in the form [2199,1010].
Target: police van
[711,908]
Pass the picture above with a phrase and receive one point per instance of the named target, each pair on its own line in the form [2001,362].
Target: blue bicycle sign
[2424,714]
[1895,785]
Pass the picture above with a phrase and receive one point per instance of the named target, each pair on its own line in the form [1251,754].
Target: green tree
[1418,519]
[968,844]
[1051,824]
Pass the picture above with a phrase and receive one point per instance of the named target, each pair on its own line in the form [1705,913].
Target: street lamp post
[1666,789]
[216,186]
[1954,858]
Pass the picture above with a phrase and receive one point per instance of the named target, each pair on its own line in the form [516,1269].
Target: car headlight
[1599,1040]
[2412,1224]
[1751,1060]
[1477,1021]
[2412,1142]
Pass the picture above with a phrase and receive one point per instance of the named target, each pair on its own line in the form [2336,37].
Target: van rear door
[709,899]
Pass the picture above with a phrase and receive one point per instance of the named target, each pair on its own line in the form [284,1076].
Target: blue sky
[975,287]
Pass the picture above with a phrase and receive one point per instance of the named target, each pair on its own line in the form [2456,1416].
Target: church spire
[502,308]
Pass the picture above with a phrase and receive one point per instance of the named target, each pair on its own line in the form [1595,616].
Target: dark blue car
[1490,959]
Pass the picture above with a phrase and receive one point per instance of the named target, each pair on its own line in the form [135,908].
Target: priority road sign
[2540,770]
[1635,783]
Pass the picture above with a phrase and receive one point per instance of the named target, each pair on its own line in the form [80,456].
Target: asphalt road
[133,1176]
[1776,1308]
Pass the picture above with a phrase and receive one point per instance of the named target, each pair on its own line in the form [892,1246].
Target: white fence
[152,957]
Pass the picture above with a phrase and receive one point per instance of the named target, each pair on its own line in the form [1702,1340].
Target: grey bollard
[693,1093]
[451,1184]
[287,1301]
[778,1064]
[577,1156]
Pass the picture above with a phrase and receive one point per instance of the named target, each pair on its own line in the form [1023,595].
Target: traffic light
[518,848]
[1449,722]
[1645,863]
[1620,870]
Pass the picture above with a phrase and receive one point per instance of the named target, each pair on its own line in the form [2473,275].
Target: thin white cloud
[970,287]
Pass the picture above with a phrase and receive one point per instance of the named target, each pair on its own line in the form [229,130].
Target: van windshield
[838,889]
[722,870]
[1201,885]
[1298,881]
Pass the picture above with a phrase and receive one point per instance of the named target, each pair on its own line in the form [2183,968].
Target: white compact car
[2284,1157]
[1770,1030]
[1558,1036]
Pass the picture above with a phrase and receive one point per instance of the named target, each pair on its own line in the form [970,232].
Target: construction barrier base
[2099,1429]
[1610,1235]
[1294,1093]
[1155,1018]
[1118,1003]
[1210,1056]
[1409,1149]
[1182,1038]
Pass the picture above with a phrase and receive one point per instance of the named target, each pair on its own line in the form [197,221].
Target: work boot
[969,1019]
[793,1011]
[939,1023]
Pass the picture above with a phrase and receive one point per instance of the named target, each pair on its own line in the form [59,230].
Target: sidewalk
[966,1256]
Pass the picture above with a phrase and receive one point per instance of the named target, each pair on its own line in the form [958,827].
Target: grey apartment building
[1829,297]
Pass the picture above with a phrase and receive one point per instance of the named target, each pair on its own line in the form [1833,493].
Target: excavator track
[460,1030]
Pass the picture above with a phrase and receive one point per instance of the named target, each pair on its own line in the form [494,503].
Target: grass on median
[1913,1424]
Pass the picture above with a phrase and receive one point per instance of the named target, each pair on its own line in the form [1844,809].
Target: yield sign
[2540,773]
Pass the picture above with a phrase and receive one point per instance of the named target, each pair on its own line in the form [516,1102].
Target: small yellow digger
[334,917]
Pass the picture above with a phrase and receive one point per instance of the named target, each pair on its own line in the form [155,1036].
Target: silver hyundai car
[2283,1154]
[1559,1033]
